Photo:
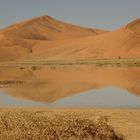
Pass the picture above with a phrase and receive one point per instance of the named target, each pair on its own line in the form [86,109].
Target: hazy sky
[105,14]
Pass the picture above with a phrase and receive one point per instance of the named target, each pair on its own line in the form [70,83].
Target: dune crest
[46,28]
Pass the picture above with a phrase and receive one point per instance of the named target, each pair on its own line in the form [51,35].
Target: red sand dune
[124,42]
[17,40]
[47,28]
[46,37]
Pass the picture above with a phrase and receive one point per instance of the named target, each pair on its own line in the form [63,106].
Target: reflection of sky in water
[110,97]
[10,101]
[104,97]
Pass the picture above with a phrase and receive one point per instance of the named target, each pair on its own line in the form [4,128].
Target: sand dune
[46,37]
[134,26]
[123,42]
[47,28]
[17,40]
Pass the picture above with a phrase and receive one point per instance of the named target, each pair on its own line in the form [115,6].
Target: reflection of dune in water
[48,85]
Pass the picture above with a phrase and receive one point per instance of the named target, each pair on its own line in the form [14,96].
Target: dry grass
[53,125]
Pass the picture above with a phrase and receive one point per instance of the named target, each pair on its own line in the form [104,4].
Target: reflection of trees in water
[11,83]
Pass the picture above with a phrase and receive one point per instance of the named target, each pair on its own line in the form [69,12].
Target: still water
[63,86]
[11,101]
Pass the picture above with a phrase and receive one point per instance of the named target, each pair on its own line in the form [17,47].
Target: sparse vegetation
[112,62]
[33,68]
[40,125]
[9,82]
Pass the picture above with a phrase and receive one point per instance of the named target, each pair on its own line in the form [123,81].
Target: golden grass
[42,124]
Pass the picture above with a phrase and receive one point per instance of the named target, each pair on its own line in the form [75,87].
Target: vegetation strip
[97,62]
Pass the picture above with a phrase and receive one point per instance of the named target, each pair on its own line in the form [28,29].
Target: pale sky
[104,14]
